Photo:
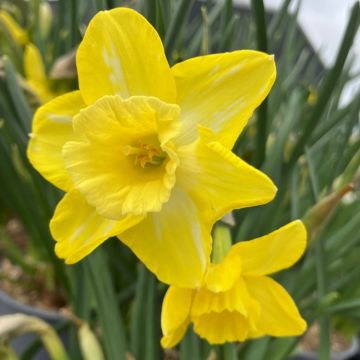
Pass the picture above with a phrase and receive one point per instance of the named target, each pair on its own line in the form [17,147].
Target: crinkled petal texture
[279,315]
[221,91]
[273,252]
[106,163]
[218,180]
[174,243]
[225,316]
[52,128]
[121,53]
[175,315]
[78,229]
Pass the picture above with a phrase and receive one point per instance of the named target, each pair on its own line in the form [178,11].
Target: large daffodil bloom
[237,300]
[143,151]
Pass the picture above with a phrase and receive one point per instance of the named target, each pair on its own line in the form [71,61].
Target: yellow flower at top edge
[35,74]
[34,68]
[143,151]
[15,30]
[237,300]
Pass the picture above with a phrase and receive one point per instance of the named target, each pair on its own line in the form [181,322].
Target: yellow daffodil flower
[142,150]
[35,74]
[18,34]
[34,68]
[237,300]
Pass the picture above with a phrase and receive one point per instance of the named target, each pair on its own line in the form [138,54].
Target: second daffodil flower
[237,300]
[143,151]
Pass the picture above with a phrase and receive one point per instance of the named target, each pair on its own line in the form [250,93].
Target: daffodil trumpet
[143,151]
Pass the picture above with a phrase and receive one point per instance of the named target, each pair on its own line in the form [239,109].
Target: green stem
[222,243]
[109,315]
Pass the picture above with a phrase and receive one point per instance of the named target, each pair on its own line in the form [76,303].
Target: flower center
[145,154]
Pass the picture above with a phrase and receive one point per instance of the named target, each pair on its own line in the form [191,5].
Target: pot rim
[47,315]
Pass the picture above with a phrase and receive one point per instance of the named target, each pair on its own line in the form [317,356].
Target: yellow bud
[45,19]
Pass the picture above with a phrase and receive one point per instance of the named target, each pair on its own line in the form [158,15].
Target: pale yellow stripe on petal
[221,91]
[175,244]
[121,53]
[219,181]
[78,229]
[51,129]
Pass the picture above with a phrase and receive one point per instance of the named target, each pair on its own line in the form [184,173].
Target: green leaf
[108,312]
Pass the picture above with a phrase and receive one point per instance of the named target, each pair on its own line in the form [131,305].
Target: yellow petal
[222,276]
[33,64]
[15,30]
[175,315]
[121,53]
[221,91]
[175,243]
[78,229]
[173,338]
[273,252]
[279,315]
[35,73]
[102,164]
[52,128]
[219,180]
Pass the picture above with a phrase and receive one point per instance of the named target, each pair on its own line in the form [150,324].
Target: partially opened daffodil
[17,33]
[238,301]
[143,151]
[34,68]
[35,74]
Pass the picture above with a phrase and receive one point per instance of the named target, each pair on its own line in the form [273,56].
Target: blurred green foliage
[301,137]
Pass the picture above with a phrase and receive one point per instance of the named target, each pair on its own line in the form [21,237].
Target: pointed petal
[33,64]
[221,91]
[173,338]
[78,229]
[102,170]
[273,252]
[240,185]
[15,30]
[279,315]
[175,315]
[175,243]
[52,128]
[35,73]
[121,53]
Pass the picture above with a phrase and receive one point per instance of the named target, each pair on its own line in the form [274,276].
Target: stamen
[145,154]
